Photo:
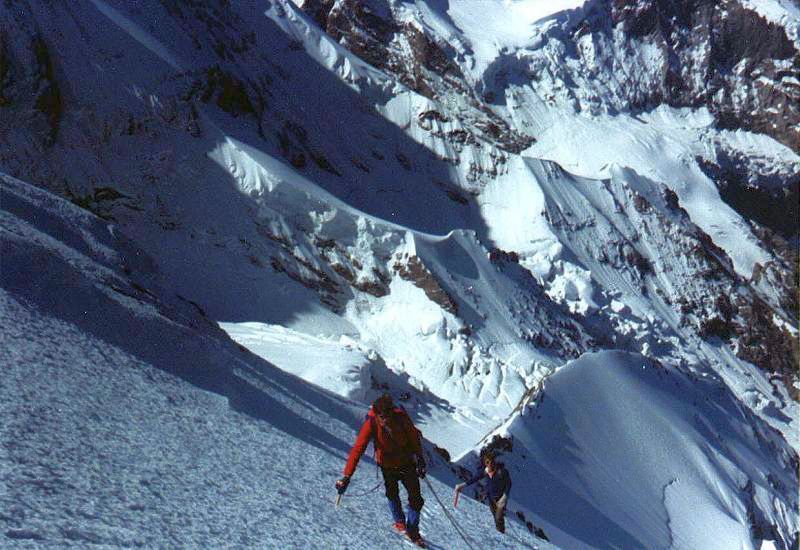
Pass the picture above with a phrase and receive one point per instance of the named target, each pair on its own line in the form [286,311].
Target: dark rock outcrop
[720,55]
[412,269]
[426,64]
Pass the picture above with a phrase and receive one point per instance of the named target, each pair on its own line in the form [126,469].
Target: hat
[383,404]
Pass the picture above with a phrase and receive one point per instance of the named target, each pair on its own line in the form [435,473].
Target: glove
[422,468]
[341,485]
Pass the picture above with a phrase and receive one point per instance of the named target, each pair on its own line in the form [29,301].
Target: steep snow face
[595,73]
[621,451]
[681,54]
[632,142]
[646,248]
[131,420]
[462,323]
[510,27]
[260,207]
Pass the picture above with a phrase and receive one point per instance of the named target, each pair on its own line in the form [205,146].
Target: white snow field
[129,421]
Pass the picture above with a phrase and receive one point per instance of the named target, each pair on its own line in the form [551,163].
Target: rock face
[613,54]
[369,30]
[424,62]
[27,79]
[715,54]
[685,53]
[412,269]
[771,199]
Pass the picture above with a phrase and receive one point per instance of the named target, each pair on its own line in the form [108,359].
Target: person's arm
[506,485]
[476,478]
[362,441]
[416,445]
[416,441]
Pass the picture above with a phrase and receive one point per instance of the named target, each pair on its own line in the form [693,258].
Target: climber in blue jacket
[498,487]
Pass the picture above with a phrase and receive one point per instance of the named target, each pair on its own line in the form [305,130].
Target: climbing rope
[449,516]
[365,493]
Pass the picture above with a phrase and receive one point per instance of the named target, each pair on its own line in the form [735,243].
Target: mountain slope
[129,421]
[535,79]
[621,451]
[425,213]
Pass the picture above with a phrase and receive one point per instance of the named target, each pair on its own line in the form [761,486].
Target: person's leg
[390,482]
[415,500]
[499,512]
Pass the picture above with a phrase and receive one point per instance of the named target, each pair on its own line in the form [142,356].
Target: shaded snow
[781,12]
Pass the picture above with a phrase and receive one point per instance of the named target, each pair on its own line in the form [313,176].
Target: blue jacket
[498,485]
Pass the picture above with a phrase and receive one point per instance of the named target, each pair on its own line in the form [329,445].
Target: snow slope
[445,316]
[483,39]
[631,142]
[177,437]
[619,451]
[130,420]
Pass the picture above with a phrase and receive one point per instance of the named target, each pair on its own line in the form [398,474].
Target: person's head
[489,461]
[383,407]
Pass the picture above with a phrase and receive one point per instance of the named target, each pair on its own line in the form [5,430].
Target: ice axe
[341,487]
[459,487]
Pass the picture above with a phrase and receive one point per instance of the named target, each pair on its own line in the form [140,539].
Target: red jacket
[396,442]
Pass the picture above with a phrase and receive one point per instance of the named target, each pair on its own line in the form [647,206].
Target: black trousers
[407,475]
[499,513]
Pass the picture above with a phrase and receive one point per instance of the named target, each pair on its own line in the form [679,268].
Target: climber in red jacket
[398,452]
